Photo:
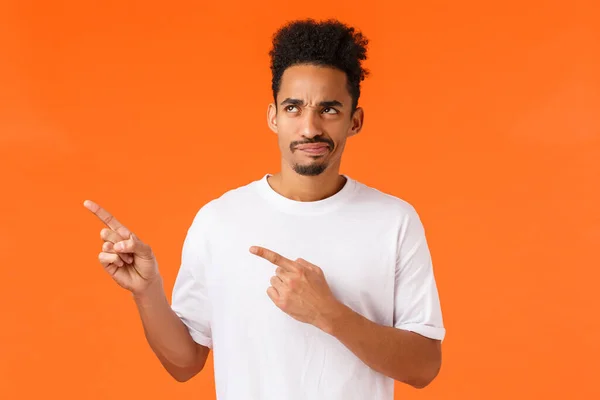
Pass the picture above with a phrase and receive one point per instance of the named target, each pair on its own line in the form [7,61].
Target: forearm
[402,355]
[166,334]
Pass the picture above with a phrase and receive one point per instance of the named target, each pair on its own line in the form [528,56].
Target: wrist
[151,290]
[334,319]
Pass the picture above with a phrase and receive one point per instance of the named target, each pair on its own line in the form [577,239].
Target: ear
[357,121]
[272,117]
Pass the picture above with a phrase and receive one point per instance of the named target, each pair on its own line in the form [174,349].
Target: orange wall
[485,118]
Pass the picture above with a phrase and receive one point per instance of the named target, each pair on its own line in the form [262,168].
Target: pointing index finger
[272,257]
[106,217]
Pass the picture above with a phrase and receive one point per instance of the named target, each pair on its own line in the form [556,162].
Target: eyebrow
[298,102]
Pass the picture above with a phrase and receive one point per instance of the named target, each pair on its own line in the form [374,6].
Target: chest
[358,261]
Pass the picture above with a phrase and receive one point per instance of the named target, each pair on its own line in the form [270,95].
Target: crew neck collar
[290,206]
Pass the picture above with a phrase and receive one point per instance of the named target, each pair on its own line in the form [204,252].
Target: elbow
[428,376]
[183,375]
[420,384]
[185,371]
[181,378]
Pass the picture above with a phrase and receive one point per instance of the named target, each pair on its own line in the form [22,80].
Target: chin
[310,169]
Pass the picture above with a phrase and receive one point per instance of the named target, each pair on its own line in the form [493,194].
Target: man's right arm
[168,336]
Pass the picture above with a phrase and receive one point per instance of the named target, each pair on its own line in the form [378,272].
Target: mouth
[314,148]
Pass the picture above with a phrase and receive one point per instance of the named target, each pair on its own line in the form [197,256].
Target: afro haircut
[328,43]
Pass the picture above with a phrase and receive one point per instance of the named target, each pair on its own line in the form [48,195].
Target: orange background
[484,116]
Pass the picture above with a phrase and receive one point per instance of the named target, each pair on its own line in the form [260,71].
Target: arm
[132,264]
[400,354]
[410,349]
[167,335]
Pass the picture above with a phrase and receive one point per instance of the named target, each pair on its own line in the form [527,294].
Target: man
[306,283]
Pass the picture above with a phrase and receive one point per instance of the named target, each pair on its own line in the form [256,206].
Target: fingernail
[118,246]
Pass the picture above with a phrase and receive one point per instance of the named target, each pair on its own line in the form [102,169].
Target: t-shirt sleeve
[417,304]
[190,300]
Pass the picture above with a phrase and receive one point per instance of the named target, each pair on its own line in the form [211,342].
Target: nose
[311,124]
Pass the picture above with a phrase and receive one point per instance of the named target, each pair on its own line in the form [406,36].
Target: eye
[290,108]
[330,110]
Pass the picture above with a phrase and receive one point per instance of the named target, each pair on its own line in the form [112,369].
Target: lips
[312,146]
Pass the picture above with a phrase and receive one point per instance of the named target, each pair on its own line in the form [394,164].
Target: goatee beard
[310,169]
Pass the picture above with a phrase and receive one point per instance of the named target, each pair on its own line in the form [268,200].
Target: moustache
[298,143]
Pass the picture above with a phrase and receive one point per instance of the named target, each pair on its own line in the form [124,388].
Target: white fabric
[372,249]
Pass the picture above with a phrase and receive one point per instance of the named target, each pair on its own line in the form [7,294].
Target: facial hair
[315,168]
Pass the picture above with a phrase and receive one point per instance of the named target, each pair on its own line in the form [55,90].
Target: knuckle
[103,258]
[283,302]
[122,231]
[109,235]
[122,246]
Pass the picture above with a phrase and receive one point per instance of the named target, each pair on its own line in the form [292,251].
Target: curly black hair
[328,43]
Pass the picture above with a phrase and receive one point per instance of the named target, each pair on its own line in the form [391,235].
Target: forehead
[313,83]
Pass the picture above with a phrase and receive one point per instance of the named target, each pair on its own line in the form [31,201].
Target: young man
[306,283]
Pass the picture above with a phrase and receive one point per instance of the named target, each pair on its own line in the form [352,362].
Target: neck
[297,187]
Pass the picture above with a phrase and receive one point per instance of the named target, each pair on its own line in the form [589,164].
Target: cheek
[337,145]
[338,135]
[285,126]
[285,134]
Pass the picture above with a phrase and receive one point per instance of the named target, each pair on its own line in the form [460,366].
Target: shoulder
[405,222]
[224,204]
[385,203]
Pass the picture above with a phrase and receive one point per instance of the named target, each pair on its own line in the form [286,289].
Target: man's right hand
[129,261]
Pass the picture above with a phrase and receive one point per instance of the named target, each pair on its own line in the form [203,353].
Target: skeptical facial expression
[313,118]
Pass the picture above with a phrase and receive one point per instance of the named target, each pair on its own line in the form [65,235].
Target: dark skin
[313,105]
[299,289]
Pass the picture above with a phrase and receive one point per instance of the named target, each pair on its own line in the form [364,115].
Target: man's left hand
[300,290]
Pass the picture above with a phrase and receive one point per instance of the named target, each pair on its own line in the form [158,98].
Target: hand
[129,261]
[300,290]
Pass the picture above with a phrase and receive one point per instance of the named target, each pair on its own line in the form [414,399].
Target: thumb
[124,232]
[133,245]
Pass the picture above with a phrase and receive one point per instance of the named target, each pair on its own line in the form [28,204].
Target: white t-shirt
[372,249]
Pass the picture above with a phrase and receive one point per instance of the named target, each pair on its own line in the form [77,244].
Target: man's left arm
[405,356]
[410,349]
